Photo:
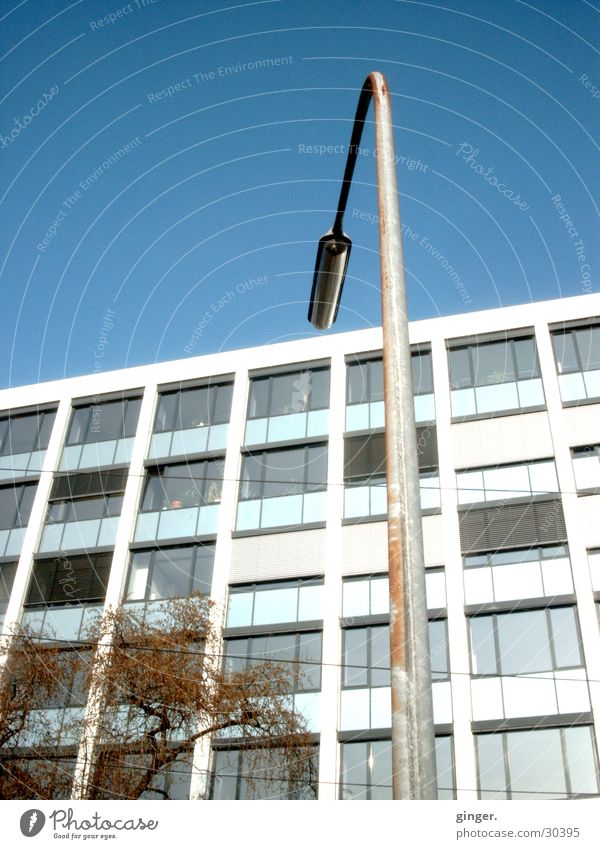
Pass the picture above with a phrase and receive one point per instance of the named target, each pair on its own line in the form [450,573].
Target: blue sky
[175,162]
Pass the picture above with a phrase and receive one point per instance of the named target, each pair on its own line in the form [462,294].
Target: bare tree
[163,687]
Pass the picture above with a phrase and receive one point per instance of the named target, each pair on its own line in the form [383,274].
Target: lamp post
[413,742]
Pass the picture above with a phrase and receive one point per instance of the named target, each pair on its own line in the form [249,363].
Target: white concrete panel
[582,424]
[286,555]
[504,439]
[442,702]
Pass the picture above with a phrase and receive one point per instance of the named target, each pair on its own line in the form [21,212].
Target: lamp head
[328,281]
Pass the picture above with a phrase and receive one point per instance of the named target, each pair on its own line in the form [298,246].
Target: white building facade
[258,476]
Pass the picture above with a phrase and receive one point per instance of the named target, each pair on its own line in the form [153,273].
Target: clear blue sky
[161,207]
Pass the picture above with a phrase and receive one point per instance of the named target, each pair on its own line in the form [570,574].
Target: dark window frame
[19,492]
[84,440]
[42,433]
[249,658]
[199,485]
[153,554]
[307,486]
[474,346]
[211,388]
[572,331]
[546,610]
[297,374]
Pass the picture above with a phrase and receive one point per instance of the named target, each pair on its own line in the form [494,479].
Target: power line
[66,644]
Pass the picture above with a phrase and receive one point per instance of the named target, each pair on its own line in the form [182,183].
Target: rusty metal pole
[413,741]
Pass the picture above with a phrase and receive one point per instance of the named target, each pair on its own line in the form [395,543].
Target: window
[501,483]
[586,465]
[365,473]
[15,507]
[170,573]
[541,763]
[594,564]
[263,774]
[365,697]
[87,514]
[491,376]
[69,580]
[366,770]
[535,572]
[577,355]
[71,690]
[525,642]
[283,487]
[184,485]
[364,392]
[370,596]
[300,653]
[288,406]
[23,442]
[366,657]
[181,500]
[101,434]
[190,421]
[7,576]
[275,603]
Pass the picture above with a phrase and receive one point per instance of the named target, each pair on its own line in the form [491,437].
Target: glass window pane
[25,505]
[259,398]
[490,759]
[580,760]
[132,415]
[376,380]
[357,383]
[22,435]
[253,470]
[526,356]
[9,497]
[422,374]
[309,651]
[524,643]
[310,603]
[380,656]
[543,477]
[171,573]
[443,765]
[138,575]
[355,598]
[483,648]
[564,352]
[106,421]
[316,474]
[202,580]
[275,606]
[239,611]
[285,398]
[319,389]
[565,637]
[536,763]
[588,343]
[493,363]
[460,368]
[284,472]
[79,425]
[227,768]
[193,408]
[438,646]
[380,596]
[506,482]
[355,770]
[222,409]
[355,672]
[165,415]
[381,769]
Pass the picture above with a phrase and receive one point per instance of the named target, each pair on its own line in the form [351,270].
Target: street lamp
[413,742]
